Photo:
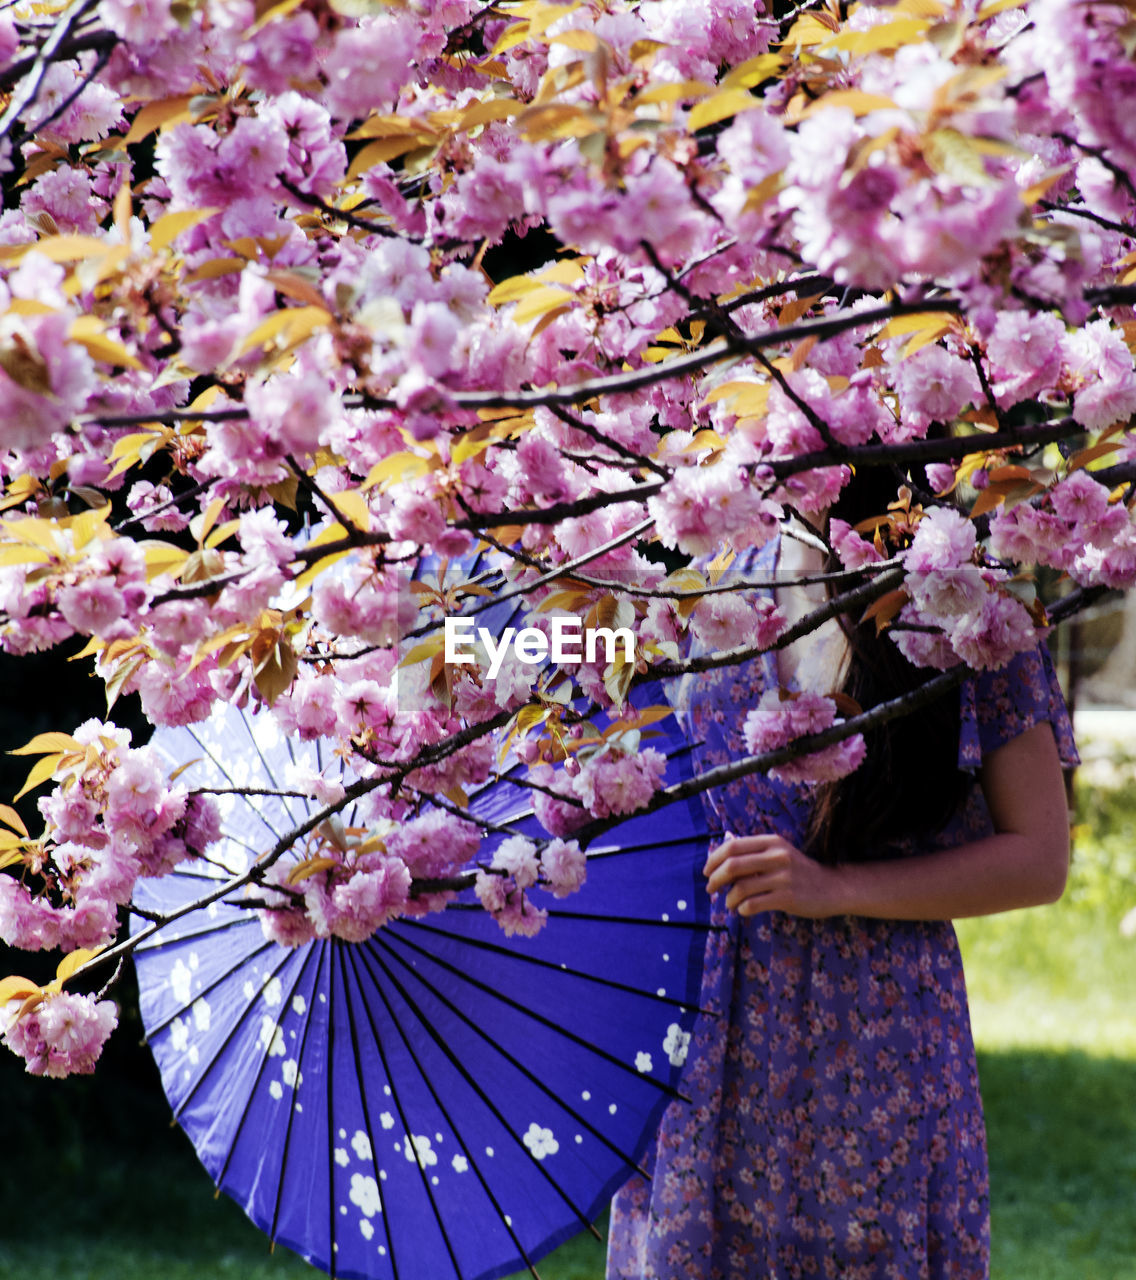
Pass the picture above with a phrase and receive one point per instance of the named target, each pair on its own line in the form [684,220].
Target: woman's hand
[767,873]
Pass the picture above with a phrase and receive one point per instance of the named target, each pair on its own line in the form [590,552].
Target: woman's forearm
[999,873]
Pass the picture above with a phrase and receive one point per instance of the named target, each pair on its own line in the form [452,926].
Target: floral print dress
[834,1127]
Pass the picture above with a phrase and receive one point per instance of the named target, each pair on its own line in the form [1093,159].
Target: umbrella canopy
[439,1099]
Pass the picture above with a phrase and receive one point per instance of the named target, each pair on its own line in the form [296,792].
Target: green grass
[96,1186]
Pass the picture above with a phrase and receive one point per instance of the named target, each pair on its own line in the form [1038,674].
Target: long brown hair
[909,783]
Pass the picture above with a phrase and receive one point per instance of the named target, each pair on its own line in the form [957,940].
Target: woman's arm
[1023,864]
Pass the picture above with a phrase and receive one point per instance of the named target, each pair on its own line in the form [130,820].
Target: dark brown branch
[49,51]
[951,449]
[69,48]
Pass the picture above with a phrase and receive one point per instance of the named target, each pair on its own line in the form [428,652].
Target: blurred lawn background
[95,1185]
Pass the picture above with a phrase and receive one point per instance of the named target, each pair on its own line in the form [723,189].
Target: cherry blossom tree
[324,322]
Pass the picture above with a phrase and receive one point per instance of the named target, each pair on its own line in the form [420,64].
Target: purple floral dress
[835,1126]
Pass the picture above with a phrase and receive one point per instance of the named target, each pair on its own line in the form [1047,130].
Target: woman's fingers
[736,866]
[735,846]
[757,893]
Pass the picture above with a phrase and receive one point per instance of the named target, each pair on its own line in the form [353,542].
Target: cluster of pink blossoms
[518,865]
[112,818]
[779,719]
[61,1035]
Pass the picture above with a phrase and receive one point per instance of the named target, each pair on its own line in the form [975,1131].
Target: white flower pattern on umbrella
[676,1044]
[540,1141]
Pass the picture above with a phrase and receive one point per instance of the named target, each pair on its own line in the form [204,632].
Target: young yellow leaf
[743,399]
[396,467]
[88,332]
[294,285]
[382,151]
[994,7]
[163,557]
[12,819]
[888,35]
[271,12]
[70,248]
[170,225]
[1083,457]
[11,555]
[854,100]
[513,289]
[73,962]
[221,532]
[512,36]
[42,771]
[540,301]
[291,325]
[352,506]
[720,107]
[470,445]
[52,742]
[925,327]
[310,867]
[810,29]
[672,92]
[214,268]
[14,988]
[208,519]
[560,120]
[576,38]
[425,649]
[753,71]
[486,112]
[160,115]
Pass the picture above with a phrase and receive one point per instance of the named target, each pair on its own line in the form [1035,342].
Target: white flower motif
[366,1228]
[540,1141]
[271,1037]
[365,1194]
[276,1089]
[299,1005]
[341,1157]
[386,1120]
[361,1145]
[676,1044]
[202,1014]
[180,980]
[460,1163]
[290,1073]
[418,1146]
[179,1035]
[273,992]
[643,1062]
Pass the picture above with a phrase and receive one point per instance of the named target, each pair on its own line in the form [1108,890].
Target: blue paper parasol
[440,1099]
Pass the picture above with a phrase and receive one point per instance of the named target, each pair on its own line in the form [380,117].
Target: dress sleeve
[996,706]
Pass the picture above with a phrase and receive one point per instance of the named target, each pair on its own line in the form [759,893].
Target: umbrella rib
[224,1045]
[402,1114]
[529,1075]
[370,955]
[185,1008]
[156,942]
[530,1013]
[329,1109]
[230,779]
[614,850]
[482,945]
[322,951]
[267,767]
[340,953]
